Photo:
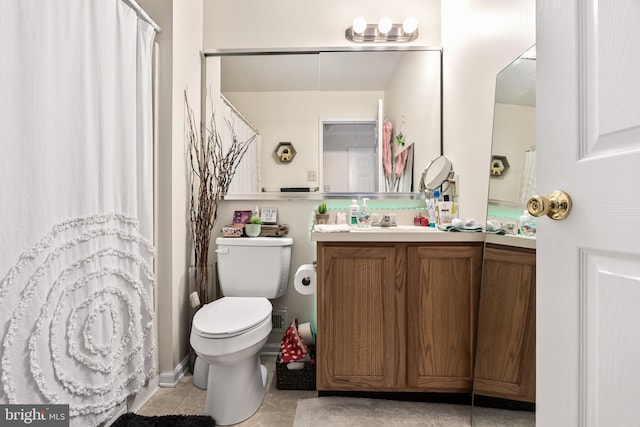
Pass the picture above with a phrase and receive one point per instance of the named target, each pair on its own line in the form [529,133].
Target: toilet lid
[229,316]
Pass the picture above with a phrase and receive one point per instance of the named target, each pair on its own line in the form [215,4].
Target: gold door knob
[556,205]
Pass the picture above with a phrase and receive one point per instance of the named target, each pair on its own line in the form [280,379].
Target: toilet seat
[231,316]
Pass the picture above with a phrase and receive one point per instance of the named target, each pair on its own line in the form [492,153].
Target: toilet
[228,333]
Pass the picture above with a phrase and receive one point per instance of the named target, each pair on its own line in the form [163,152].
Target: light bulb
[384,25]
[410,24]
[359,25]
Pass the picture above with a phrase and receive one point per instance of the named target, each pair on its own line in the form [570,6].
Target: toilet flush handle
[222,251]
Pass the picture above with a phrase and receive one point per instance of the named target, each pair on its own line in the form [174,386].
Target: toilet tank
[253,266]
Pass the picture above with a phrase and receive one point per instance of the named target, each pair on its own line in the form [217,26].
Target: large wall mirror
[504,375]
[334,122]
[512,167]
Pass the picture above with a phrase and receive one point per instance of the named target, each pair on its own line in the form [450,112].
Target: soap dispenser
[527,225]
[363,216]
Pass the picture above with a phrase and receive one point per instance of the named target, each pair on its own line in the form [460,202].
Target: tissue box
[302,379]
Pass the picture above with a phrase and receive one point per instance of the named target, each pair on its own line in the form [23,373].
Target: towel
[472,228]
[499,231]
[293,347]
[331,228]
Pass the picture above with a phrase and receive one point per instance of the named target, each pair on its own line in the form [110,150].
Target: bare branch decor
[212,169]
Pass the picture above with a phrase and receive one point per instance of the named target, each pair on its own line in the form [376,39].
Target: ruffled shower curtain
[76,174]
[248,177]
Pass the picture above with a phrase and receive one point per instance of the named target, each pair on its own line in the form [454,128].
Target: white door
[588,278]
[362,170]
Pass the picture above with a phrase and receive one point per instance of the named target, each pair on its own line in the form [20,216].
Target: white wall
[295,23]
[479,39]
[420,114]
[514,133]
[179,68]
[293,117]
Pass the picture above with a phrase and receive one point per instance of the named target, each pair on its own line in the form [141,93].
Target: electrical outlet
[312,176]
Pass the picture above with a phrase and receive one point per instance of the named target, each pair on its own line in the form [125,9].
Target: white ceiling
[351,71]
[327,71]
[516,84]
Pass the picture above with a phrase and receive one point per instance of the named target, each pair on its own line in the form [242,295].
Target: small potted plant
[253,228]
[322,217]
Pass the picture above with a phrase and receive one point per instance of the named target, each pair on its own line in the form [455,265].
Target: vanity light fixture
[384,32]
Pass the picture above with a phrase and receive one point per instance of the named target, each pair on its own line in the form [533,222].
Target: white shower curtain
[528,178]
[76,185]
[248,177]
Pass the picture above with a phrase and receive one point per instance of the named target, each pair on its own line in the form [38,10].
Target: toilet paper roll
[304,280]
[306,333]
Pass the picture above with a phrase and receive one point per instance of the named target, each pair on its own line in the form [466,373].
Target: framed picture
[241,217]
[269,215]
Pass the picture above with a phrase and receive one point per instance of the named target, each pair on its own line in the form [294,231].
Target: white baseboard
[172,378]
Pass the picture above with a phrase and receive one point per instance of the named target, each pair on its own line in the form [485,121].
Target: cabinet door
[506,326]
[442,293]
[359,337]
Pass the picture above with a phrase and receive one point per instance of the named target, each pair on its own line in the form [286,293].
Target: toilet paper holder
[307,281]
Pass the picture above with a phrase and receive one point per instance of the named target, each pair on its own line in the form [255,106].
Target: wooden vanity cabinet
[397,316]
[505,355]
[443,284]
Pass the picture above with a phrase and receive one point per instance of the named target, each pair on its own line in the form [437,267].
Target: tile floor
[277,409]
[279,406]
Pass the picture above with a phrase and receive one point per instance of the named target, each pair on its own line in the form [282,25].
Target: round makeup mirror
[436,172]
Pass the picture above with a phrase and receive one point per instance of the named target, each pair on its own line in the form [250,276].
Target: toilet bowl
[228,335]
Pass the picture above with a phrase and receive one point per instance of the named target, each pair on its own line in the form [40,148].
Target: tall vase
[200,282]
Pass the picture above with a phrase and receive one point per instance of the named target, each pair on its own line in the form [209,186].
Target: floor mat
[134,420]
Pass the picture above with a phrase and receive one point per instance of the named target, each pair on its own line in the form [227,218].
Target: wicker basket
[302,379]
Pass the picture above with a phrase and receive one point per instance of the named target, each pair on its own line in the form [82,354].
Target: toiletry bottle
[436,206]
[363,216]
[527,225]
[353,213]
[431,212]
[444,210]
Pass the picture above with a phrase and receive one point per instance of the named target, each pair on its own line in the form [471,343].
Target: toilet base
[235,391]
[200,373]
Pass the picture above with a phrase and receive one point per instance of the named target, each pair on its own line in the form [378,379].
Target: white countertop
[411,233]
[511,240]
[404,233]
